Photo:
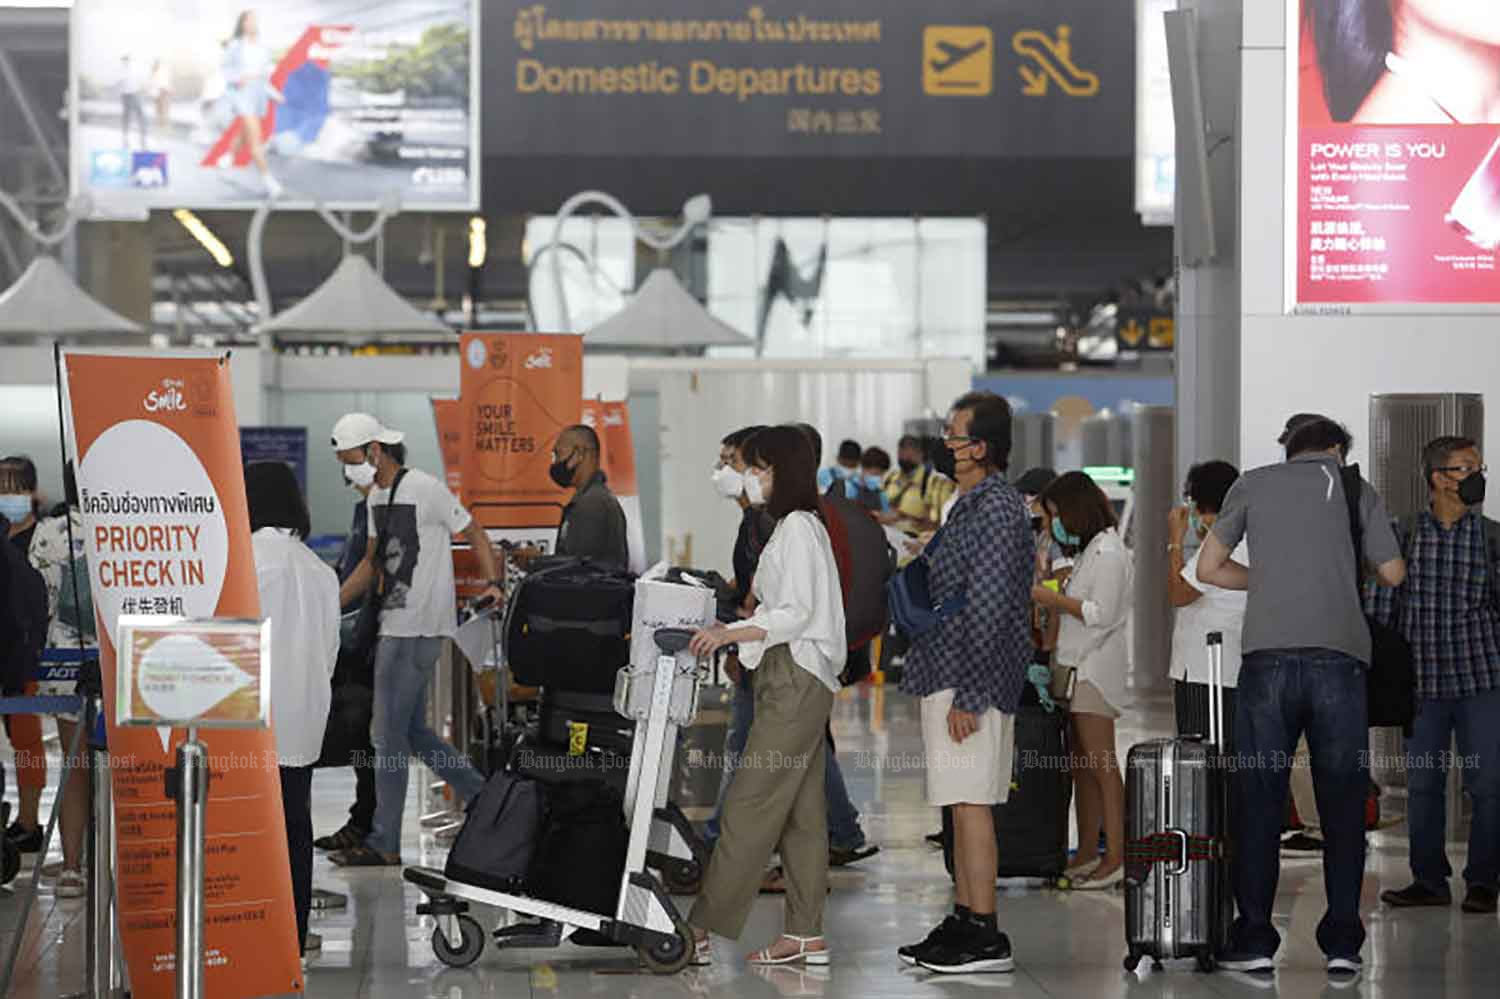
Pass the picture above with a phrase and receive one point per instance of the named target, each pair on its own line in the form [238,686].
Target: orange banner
[611,421]
[519,391]
[171,535]
[448,415]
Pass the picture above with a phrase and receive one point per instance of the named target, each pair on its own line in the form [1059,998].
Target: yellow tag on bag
[578,738]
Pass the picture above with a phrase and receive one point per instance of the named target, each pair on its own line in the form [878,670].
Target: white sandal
[703,952]
[815,958]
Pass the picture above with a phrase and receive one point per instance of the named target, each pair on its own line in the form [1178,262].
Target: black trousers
[362,812]
[296,802]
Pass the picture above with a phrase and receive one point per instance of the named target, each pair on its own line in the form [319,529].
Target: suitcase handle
[1180,867]
[1216,689]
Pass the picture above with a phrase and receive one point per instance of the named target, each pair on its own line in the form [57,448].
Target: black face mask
[945,462]
[907,466]
[561,474]
[1471,490]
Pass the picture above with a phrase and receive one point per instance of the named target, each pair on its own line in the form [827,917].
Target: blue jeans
[843,818]
[1282,695]
[1476,720]
[398,730]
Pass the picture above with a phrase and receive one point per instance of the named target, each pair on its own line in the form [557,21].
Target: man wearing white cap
[413,518]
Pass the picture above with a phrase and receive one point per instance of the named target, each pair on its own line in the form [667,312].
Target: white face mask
[755,493]
[729,483]
[362,475]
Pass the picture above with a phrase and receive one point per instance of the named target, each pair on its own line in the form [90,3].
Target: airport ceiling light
[205,237]
[478,245]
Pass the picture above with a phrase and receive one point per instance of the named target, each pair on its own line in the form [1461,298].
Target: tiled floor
[1066,945]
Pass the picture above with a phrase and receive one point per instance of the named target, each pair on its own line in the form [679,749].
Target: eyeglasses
[1464,470]
[957,439]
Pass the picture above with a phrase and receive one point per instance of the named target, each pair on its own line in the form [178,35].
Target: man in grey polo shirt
[1307,647]
[593,525]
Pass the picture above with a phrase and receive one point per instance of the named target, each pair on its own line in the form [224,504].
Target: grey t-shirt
[1302,579]
[593,525]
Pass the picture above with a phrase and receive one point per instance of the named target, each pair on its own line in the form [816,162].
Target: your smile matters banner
[166,531]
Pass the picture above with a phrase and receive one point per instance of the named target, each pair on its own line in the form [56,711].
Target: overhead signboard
[1394,157]
[1155,131]
[204,105]
[949,78]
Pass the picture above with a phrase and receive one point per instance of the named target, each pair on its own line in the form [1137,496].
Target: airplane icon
[952,54]
[958,60]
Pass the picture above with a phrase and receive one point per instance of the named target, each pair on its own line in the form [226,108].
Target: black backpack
[567,626]
[23,617]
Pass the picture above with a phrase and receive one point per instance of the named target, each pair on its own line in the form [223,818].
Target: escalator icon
[1047,61]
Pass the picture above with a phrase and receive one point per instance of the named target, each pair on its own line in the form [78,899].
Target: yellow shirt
[920,495]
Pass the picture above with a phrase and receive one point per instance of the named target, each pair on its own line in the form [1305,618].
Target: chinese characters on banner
[518,391]
[172,535]
[1397,169]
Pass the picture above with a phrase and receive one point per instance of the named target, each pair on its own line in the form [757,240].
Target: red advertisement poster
[1397,152]
[171,535]
[518,391]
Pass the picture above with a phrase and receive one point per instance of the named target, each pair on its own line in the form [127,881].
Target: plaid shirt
[980,653]
[1447,609]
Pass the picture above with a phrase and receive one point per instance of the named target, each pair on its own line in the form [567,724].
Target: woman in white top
[247,81]
[1093,607]
[795,644]
[1202,607]
[300,597]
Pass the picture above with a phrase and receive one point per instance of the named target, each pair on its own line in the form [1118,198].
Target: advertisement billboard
[211,104]
[791,78]
[1394,156]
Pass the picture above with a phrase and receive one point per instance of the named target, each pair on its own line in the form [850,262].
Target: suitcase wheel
[1207,964]
[466,949]
[1132,960]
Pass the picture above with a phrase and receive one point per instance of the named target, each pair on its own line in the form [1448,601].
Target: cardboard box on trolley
[659,604]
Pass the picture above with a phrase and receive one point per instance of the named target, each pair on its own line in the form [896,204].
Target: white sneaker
[71,884]
[274,189]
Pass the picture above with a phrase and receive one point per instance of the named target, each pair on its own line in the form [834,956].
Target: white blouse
[1098,646]
[300,596]
[801,602]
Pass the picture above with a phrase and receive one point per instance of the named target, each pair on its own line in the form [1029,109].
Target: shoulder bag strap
[1492,558]
[1353,486]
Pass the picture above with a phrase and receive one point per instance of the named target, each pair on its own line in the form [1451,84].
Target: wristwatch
[1174,547]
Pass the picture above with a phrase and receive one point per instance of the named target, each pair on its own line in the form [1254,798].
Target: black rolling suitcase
[1178,897]
[583,723]
[1031,828]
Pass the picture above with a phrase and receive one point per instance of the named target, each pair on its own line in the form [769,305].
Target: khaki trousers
[776,798]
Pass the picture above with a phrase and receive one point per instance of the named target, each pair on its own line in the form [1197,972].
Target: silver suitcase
[1178,897]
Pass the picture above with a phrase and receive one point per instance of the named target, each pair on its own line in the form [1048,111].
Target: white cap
[358,429]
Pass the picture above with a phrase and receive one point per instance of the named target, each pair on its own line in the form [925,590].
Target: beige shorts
[976,771]
[1089,700]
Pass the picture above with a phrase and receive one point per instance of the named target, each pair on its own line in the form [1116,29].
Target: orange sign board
[172,536]
[519,391]
[448,414]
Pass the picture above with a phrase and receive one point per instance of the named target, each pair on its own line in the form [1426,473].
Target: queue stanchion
[438,810]
[187,784]
[104,968]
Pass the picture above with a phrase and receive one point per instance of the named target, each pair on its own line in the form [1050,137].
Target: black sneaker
[912,953]
[970,951]
[1345,967]
[1416,895]
[23,839]
[1481,900]
[1254,964]
[1302,843]
[542,933]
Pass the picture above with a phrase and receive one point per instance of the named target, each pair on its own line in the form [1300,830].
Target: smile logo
[958,61]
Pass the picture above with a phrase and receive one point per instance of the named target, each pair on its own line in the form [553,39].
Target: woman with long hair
[1094,607]
[300,596]
[247,70]
[795,646]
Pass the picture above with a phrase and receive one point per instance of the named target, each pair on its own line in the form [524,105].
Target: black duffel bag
[496,848]
[568,625]
[581,858]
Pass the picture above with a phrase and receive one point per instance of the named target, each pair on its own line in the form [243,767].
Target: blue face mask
[1061,534]
[15,507]
[872,481]
[1195,522]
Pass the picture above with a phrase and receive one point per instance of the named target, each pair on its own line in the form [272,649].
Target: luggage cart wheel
[10,862]
[1132,961]
[1206,962]
[684,877]
[668,955]
[466,949]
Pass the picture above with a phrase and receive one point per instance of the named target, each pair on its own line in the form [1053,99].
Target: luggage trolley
[661,698]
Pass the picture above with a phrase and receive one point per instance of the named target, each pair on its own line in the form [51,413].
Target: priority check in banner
[170,534]
[1396,157]
[518,391]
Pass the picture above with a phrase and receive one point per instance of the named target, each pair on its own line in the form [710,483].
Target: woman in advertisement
[1399,62]
[247,69]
